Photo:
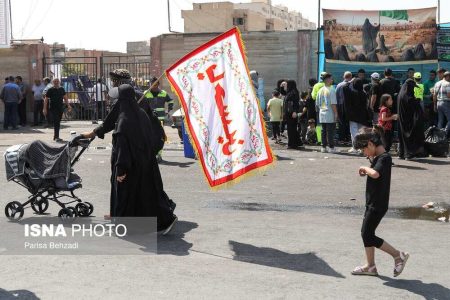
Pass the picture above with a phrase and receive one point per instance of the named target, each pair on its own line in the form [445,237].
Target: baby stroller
[46,172]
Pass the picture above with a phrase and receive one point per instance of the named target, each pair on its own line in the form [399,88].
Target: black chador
[410,118]
[141,193]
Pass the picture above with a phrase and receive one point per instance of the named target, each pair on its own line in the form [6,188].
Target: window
[238,21]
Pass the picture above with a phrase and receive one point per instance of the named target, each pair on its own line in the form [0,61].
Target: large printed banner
[380,36]
[221,109]
[443,44]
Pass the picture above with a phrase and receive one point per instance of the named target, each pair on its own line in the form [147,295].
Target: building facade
[258,15]
[273,54]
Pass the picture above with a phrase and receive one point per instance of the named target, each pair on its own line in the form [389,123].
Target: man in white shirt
[38,106]
[441,99]
[99,96]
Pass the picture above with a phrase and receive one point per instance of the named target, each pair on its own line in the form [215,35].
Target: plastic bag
[436,142]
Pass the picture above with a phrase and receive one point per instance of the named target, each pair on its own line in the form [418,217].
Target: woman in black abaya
[291,106]
[410,119]
[136,183]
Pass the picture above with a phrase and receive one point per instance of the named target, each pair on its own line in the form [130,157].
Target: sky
[108,25]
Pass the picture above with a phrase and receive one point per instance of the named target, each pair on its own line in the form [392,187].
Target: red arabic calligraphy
[219,96]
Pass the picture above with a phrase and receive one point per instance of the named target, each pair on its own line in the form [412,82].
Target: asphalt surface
[290,232]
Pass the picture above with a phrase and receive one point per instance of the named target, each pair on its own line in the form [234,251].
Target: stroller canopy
[45,161]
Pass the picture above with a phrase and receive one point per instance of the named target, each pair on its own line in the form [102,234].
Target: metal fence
[87,81]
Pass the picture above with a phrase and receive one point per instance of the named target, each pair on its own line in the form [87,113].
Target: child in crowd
[275,109]
[311,134]
[385,118]
[377,200]
[303,117]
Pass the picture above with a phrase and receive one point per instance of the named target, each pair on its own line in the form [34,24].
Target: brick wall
[274,54]
[26,61]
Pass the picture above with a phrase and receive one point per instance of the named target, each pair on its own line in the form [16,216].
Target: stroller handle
[83,143]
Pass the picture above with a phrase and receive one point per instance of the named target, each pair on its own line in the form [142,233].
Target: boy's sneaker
[353,151]
[323,150]
[332,150]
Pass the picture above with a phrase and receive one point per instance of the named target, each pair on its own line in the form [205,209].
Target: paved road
[291,232]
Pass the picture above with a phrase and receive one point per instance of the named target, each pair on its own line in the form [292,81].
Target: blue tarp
[321,55]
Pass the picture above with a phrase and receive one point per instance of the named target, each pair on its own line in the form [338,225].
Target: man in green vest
[419,89]
[157,98]
[318,86]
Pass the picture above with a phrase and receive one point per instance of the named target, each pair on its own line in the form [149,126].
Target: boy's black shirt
[377,190]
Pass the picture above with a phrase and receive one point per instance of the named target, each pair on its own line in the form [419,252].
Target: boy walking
[377,201]
[275,109]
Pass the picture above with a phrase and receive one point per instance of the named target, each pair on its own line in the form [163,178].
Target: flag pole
[438,24]
[152,86]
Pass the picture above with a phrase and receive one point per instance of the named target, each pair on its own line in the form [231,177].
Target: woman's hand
[44,112]
[121,178]
[88,135]
[294,115]
[395,117]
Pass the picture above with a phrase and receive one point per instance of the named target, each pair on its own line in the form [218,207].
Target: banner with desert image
[380,36]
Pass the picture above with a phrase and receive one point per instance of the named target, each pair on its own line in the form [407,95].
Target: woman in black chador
[410,119]
[291,107]
[136,183]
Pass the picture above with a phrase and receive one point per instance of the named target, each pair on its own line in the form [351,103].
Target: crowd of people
[402,110]
[48,103]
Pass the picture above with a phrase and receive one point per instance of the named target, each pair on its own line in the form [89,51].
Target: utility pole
[270,10]
[168,17]
[10,21]
[318,39]
[439,12]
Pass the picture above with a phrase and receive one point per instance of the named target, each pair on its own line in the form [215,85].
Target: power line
[43,18]
[32,7]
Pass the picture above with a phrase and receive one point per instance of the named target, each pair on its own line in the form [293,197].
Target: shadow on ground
[432,162]
[431,291]
[176,164]
[281,158]
[409,167]
[22,130]
[17,295]
[270,257]
[174,243]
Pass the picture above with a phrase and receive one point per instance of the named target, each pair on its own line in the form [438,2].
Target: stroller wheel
[82,209]
[73,210]
[65,213]
[40,206]
[14,211]
[91,208]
